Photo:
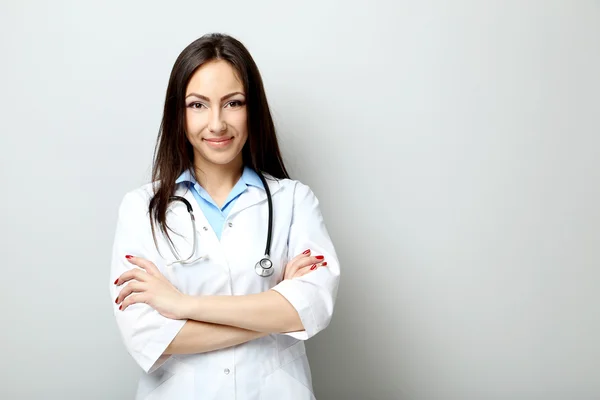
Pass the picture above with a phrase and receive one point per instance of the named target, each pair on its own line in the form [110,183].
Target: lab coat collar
[255,194]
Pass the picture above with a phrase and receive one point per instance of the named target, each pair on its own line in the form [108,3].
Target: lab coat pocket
[292,379]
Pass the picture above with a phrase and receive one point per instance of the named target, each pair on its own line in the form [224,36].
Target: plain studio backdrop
[454,147]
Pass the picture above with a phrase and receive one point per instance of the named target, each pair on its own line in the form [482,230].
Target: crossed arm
[218,322]
[213,322]
[201,337]
[251,311]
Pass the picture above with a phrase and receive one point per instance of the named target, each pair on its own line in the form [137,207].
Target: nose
[216,124]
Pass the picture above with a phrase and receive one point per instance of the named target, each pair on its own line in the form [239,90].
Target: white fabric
[271,368]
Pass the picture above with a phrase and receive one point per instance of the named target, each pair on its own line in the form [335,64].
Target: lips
[219,143]
[220,140]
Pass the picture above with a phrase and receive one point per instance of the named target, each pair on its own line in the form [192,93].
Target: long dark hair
[174,154]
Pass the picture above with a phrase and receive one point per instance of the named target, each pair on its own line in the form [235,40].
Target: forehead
[215,78]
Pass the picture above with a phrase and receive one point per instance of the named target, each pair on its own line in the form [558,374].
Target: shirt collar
[249,177]
[186,176]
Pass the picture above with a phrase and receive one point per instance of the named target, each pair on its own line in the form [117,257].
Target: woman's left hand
[147,285]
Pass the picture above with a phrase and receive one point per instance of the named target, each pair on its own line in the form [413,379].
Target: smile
[218,143]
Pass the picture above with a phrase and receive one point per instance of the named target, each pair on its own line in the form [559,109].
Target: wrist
[188,306]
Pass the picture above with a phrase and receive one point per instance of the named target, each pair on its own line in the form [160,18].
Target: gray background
[454,147]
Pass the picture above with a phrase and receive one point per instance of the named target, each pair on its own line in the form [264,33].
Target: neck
[218,178]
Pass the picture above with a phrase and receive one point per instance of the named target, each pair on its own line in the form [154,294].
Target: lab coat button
[205,228]
[230,224]
[226,371]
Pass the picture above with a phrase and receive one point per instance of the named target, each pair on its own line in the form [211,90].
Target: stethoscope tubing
[259,267]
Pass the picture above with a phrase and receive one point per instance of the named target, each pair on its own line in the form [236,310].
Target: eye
[235,104]
[197,105]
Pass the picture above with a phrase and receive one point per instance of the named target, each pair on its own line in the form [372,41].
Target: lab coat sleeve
[145,332]
[314,294]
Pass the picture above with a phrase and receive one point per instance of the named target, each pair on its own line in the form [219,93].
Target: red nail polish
[120,307]
[128,256]
[314,266]
[324,264]
[319,257]
[117,300]
[116,280]
[306,252]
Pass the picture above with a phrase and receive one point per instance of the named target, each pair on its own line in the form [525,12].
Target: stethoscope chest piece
[264,267]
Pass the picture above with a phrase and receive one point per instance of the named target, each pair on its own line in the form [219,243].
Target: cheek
[241,124]
[194,123]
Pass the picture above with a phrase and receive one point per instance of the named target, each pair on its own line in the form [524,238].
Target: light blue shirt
[216,215]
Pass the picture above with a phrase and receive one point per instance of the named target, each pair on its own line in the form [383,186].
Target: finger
[292,265]
[305,270]
[308,261]
[147,265]
[301,273]
[309,268]
[134,273]
[300,256]
[317,259]
[133,299]
[132,287]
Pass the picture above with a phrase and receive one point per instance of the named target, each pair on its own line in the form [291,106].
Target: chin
[221,159]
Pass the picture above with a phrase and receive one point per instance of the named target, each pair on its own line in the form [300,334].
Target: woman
[213,328]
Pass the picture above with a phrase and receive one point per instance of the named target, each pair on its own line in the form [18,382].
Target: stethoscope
[263,268]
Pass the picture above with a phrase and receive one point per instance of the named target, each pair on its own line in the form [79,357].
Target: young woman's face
[215,116]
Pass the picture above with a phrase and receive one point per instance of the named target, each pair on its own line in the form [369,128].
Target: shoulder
[299,191]
[137,198]
[145,191]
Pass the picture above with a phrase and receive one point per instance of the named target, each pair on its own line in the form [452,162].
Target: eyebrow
[207,99]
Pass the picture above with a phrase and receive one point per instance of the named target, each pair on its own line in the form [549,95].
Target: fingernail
[306,252]
[128,256]
[324,264]
[116,280]
[117,300]
[314,266]
[121,307]
[319,257]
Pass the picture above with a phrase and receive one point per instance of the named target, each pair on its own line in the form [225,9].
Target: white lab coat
[274,367]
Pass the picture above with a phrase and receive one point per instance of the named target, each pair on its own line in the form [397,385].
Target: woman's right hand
[302,264]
